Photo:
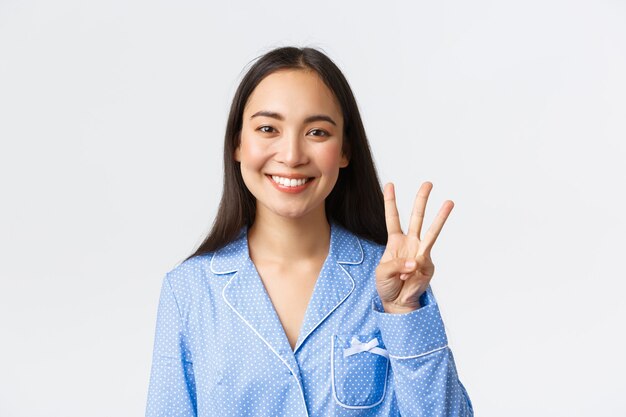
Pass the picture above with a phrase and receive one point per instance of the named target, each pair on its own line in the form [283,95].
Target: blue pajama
[220,349]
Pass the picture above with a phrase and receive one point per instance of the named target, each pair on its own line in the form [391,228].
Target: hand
[405,269]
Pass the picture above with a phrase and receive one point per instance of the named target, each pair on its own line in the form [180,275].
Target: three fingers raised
[392,218]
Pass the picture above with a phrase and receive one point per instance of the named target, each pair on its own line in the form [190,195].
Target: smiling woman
[306,298]
[290,158]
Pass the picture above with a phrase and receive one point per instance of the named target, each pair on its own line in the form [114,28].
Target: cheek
[251,156]
[330,158]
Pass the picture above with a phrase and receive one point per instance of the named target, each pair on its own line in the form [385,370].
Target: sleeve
[425,377]
[172,390]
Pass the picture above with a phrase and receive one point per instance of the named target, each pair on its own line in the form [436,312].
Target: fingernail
[410,264]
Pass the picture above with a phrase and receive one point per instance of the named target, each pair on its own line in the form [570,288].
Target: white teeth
[289,182]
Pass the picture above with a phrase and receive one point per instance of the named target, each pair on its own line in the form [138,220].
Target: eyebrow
[309,119]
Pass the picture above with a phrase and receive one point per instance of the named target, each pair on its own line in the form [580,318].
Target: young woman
[306,298]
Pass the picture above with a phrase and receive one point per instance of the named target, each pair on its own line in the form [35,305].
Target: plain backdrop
[112,116]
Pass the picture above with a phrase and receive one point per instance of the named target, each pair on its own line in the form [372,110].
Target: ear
[345,152]
[344,160]
[237,153]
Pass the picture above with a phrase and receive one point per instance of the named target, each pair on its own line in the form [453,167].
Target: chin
[293,213]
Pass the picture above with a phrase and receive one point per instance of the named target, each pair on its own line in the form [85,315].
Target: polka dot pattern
[220,349]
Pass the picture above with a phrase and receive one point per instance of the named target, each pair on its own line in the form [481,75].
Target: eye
[266,129]
[319,132]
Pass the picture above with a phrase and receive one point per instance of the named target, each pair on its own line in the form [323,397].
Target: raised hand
[405,269]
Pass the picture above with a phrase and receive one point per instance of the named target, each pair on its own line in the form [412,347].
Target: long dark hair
[356,201]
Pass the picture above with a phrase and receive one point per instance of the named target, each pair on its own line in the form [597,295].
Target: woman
[306,298]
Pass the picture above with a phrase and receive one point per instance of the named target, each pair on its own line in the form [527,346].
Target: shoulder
[206,273]
[189,274]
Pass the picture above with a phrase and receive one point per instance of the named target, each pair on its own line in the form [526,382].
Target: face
[291,144]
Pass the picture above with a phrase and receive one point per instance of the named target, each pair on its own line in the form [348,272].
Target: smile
[289,184]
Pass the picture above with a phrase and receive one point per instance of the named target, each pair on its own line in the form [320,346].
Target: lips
[292,184]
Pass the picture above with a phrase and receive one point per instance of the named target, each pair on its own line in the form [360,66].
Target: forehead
[293,93]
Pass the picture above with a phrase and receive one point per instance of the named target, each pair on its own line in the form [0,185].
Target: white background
[112,116]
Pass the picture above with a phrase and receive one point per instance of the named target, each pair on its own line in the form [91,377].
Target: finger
[392,219]
[434,229]
[424,267]
[397,266]
[419,208]
[405,275]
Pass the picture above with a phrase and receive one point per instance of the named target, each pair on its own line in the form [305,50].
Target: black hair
[356,201]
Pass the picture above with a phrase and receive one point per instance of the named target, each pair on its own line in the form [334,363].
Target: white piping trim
[266,342]
[212,268]
[332,381]
[357,262]
[219,272]
[340,302]
[331,311]
[420,355]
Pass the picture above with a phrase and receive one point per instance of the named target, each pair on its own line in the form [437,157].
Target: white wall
[112,115]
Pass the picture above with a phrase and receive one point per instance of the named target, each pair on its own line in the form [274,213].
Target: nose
[292,150]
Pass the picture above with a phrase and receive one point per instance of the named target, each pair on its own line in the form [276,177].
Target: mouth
[291,184]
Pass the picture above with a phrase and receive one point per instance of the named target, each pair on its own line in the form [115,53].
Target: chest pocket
[359,370]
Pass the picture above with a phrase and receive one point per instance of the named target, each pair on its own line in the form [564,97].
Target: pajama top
[220,349]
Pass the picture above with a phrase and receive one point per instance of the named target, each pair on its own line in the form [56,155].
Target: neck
[283,239]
